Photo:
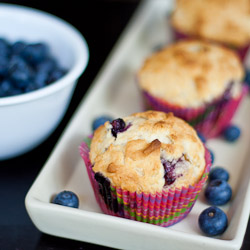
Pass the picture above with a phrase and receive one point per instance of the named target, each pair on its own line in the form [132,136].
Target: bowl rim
[78,67]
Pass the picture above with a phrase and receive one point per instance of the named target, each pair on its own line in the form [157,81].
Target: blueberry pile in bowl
[41,60]
[25,67]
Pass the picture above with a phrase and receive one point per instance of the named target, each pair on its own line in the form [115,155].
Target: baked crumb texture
[226,21]
[158,151]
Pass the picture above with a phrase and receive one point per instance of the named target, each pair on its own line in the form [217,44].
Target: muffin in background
[147,167]
[223,21]
[198,81]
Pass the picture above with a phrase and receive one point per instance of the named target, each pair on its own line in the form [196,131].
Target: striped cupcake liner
[209,120]
[241,51]
[164,208]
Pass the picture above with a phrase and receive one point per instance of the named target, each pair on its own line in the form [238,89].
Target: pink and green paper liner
[210,122]
[164,208]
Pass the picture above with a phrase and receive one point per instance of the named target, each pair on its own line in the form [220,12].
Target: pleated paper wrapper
[164,208]
[209,120]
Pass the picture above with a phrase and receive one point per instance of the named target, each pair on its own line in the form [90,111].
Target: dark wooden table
[101,22]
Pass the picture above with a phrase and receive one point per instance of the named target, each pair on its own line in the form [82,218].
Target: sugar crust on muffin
[138,158]
[226,21]
[191,73]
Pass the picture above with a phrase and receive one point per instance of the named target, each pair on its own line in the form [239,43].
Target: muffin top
[226,21]
[191,73]
[148,152]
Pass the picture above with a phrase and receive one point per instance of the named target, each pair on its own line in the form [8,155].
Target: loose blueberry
[212,156]
[202,137]
[218,192]
[231,133]
[218,173]
[213,221]
[118,126]
[247,77]
[158,47]
[100,121]
[67,198]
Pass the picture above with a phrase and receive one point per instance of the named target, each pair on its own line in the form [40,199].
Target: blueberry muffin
[146,161]
[223,21]
[198,81]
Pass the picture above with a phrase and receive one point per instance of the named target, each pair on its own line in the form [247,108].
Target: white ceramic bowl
[28,119]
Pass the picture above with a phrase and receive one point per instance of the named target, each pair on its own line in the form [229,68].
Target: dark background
[101,22]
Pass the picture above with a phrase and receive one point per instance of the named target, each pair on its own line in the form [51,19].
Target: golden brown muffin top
[226,21]
[191,73]
[151,145]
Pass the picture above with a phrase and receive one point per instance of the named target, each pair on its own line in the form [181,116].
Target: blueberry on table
[66,198]
[218,192]
[100,121]
[231,133]
[219,173]
[213,221]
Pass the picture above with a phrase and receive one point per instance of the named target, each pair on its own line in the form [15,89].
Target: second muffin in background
[225,22]
[198,81]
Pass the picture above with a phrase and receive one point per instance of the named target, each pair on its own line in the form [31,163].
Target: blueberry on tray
[66,198]
[218,173]
[202,137]
[218,192]
[231,133]
[100,121]
[213,221]
[212,156]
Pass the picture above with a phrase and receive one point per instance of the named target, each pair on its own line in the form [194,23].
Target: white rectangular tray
[114,92]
